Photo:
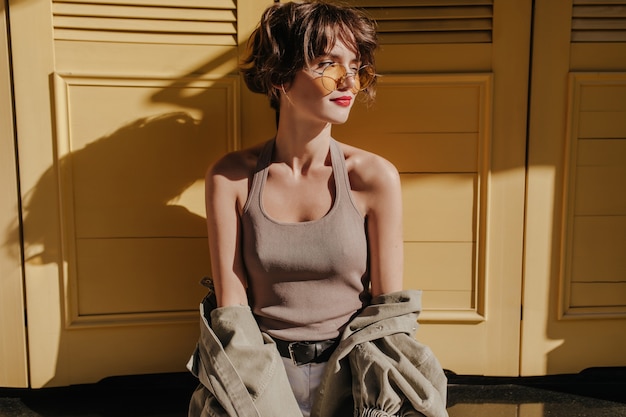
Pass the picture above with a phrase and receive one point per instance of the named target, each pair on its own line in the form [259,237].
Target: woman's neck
[302,145]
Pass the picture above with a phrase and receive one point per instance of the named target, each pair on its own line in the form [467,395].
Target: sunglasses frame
[356,75]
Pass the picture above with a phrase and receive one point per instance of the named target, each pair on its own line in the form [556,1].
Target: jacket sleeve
[392,373]
[397,376]
[240,371]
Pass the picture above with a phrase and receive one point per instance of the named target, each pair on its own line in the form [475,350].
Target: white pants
[304,381]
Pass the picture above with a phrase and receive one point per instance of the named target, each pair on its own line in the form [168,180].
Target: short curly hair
[291,35]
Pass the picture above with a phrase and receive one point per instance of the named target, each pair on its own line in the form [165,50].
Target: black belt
[302,353]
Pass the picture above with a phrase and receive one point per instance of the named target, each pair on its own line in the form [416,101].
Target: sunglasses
[335,74]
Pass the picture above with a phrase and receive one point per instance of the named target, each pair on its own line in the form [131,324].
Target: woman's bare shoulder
[368,170]
[236,165]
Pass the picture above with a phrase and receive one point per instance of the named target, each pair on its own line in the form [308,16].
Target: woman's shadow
[127,185]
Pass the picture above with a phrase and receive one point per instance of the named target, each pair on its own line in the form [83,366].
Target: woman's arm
[376,186]
[223,191]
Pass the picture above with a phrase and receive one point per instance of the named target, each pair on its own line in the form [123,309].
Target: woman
[303,229]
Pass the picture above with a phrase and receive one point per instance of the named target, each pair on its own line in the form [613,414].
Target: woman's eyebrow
[336,57]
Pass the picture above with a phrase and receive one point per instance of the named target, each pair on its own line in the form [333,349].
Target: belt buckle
[292,354]
[307,356]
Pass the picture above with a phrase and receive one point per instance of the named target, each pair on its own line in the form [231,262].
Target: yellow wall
[512,174]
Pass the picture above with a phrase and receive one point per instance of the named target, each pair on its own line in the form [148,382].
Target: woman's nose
[348,81]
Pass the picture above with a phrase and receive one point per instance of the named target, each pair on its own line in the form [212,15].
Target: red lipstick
[343,101]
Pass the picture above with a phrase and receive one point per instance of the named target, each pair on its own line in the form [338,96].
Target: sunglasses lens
[336,73]
[332,75]
[365,77]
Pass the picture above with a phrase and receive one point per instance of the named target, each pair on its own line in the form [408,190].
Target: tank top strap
[340,171]
[260,173]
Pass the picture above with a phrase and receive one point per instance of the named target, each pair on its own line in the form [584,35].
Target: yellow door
[575,268]
[120,107]
[451,114]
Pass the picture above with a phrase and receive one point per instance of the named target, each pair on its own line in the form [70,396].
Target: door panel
[425,116]
[120,112]
[575,297]
[450,114]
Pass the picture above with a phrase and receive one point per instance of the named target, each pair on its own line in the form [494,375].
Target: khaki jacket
[377,370]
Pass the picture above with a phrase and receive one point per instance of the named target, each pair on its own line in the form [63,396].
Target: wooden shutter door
[120,107]
[575,292]
[450,113]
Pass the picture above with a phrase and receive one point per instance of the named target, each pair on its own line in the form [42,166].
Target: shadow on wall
[113,229]
[126,179]
[131,201]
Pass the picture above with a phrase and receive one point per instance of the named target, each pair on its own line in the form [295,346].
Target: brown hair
[291,35]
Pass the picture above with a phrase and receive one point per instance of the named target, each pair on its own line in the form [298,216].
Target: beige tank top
[306,280]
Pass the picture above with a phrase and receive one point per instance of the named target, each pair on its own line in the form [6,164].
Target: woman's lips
[343,100]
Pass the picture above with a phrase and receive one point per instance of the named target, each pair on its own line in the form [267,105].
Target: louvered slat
[139,12]
[430,21]
[421,3]
[147,21]
[200,4]
[599,21]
